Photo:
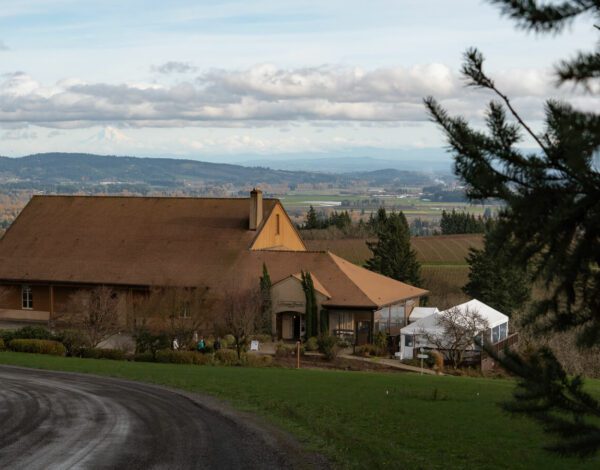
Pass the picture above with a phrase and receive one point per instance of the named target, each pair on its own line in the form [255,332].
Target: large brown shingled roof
[163,241]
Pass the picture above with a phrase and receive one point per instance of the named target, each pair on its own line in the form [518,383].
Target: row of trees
[463,222]
[450,223]
[315,220]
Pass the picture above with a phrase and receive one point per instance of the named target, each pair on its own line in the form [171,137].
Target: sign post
[422,356]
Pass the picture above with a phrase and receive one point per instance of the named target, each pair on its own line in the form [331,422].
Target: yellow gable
[278,233]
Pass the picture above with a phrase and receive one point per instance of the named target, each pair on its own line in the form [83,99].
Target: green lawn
[361,420]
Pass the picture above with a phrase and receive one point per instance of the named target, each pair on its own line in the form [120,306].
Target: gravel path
[64,420]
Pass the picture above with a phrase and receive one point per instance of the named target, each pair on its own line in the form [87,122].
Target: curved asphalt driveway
[63,420]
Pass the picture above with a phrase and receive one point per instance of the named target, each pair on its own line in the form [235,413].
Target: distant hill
[76,167]
[76,171]
[338,165]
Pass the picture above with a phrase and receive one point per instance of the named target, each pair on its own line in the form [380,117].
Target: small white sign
[422,356]
[254,346]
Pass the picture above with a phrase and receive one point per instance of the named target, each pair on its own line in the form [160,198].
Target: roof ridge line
[119,196]
[291,251]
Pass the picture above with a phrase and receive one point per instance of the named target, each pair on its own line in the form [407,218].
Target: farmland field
[361,419]
[412,206]
[444,283]
[439,249]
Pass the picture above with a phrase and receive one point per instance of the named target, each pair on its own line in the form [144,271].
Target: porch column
[372,326]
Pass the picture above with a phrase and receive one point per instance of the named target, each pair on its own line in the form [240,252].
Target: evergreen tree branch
[583,68]
[473,70]
[542,18]
[548,395]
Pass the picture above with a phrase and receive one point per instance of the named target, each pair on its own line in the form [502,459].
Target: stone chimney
[256,208]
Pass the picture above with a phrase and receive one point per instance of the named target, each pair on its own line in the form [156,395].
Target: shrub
[27,332]
[257,360]
[366,350]
[344,343]
[328,346]
[311,344]
[88,353]
[262,338]
[380,342]
[226,357]
[209,346]
[203,359]
[39,346]
[176,357]
[74,341]
[227,341]
[112,354]
[148,342]
[2,347]
[438,361]
[285,350]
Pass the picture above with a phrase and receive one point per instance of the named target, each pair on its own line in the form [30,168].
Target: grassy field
[361,420]
[434,250]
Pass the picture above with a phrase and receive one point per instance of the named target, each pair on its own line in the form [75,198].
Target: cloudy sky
[231,80]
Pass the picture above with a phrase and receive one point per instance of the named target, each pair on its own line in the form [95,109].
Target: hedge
[2,347]
[27,332]
[182,357]
[97,353]
[39,346]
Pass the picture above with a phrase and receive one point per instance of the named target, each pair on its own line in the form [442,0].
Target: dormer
[275,229]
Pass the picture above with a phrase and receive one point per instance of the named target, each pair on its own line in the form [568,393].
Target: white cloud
[174,67]
[267,95]
[19,134]
[3,46]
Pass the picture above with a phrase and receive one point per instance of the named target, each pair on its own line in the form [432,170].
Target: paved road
[55,420]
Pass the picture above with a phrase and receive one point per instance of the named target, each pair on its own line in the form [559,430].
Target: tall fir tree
[392,254]
[312,221]
[551,219]
[494,280]
[267,303]
[311,317]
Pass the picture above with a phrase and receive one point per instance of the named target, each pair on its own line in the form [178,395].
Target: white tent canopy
[421,312]
[497,323]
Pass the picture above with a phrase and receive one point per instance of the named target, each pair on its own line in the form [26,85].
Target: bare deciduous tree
[457,333]
[176,311]
[242,316]
[94,312]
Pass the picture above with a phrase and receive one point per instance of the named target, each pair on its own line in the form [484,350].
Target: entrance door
[363,332]
[290,326]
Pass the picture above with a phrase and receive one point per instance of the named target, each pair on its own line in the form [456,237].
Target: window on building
[184,311]
[499,332]
[408,341]
[342,323]
[277,227]
[26,297]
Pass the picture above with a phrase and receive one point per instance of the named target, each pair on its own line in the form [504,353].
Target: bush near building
[39,346]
